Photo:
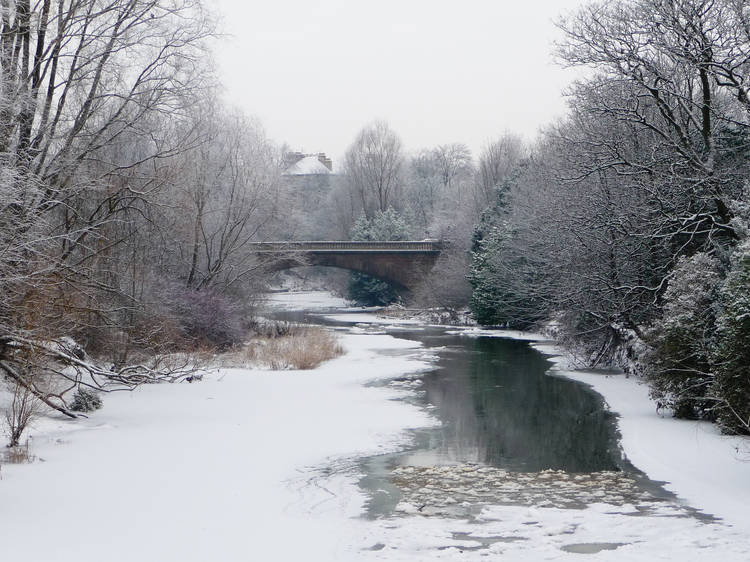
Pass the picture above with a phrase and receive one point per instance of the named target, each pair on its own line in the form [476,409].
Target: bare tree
[373,166]
[424,186]
[678,65]
[21,411]
[77,74]
[438,179]
[88,91]
[228,186]
[643,171]
[453,161]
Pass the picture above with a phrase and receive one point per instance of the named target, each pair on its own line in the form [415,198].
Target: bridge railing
[348,246]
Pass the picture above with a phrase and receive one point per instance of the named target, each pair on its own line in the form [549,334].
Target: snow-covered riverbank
[228,469]
[708,470]
[258,465]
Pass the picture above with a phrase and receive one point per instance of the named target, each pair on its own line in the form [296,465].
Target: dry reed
[302,348]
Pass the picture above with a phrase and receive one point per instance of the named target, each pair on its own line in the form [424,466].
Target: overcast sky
[438,71]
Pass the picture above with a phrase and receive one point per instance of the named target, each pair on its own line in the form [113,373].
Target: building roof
[307,166]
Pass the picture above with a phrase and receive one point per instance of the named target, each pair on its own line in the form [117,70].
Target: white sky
[316,72]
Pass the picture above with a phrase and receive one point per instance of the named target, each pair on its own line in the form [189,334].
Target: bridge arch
[403,263]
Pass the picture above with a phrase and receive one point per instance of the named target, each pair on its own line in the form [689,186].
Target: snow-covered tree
[506,285]
[678,367]
[90,94]
[731,359]
[227,189]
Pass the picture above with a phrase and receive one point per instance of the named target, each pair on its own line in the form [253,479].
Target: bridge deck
[346,246]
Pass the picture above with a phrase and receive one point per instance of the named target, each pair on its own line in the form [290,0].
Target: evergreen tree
[505,286]
[732,358]
[505,283]
[678,367]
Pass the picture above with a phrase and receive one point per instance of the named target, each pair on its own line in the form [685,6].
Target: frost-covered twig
[43,367]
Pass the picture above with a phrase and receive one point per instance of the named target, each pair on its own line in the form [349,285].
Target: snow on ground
[222,470]
[530,534]
[371,317]
[311,300]
[258,465]
[476,332]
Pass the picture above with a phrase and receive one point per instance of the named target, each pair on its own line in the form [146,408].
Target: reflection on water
[498,406]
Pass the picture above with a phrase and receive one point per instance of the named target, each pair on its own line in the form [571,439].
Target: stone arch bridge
[403,263]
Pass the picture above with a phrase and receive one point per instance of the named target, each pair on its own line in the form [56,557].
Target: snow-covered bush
[732,354]
[678,366]
[699,364]
[209,318]
[85,400]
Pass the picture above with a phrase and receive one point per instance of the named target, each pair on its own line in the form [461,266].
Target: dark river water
[498,407]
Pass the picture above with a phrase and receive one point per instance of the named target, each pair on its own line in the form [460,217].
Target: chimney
[323,159]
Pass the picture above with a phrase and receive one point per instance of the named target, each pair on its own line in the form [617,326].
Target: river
[508,432]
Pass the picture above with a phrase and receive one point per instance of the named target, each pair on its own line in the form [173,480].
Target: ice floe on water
[460,490]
